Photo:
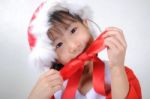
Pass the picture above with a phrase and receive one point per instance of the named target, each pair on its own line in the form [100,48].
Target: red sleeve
[134,86]
[135,89]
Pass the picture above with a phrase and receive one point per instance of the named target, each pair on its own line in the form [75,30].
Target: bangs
[61,20]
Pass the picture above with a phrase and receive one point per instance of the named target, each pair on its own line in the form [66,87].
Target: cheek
[84,38]
[63,58]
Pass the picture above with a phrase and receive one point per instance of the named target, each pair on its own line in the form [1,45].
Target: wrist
[117,70]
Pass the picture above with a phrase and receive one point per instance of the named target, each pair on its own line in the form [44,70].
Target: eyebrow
[69,25]
[55,39]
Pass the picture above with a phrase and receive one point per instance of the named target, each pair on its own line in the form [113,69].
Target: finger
[56,88]
[54,77]
[55,83]
[110,44]
[118,46]
[114,41]
[117,35]
[48,73]
[116,32]
[115,29]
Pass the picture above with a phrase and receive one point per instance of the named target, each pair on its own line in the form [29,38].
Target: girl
[61,30]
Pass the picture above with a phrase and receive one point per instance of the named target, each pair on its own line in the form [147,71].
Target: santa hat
[42,52]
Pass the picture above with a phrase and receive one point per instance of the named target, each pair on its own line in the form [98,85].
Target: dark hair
[61,19]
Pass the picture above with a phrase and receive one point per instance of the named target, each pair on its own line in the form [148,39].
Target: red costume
[43,54]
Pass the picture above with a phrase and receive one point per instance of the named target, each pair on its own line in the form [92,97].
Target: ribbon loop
[73,70]
[84,57]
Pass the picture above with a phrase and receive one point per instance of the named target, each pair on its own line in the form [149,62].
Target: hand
[48,83]
[116,46]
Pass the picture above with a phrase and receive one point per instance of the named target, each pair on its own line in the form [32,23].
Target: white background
[16,76]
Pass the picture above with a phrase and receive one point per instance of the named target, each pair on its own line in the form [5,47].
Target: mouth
[82,51]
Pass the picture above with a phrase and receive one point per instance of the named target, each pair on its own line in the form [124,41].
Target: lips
[83,50]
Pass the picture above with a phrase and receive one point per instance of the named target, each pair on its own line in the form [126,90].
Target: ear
[85,22]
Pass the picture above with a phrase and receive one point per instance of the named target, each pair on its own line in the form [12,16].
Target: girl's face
[72,41]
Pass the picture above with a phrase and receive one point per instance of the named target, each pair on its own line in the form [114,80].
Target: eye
[74,30]
[59,45]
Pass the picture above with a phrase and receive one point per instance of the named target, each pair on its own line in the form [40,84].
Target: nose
[74,47]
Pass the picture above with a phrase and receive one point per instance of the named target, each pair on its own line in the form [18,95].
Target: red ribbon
[73,70]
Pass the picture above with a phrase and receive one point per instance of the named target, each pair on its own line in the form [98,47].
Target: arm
[119,82]
[134,86]
[116,49]
[124,84]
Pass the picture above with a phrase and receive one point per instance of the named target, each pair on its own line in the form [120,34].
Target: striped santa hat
[42,52]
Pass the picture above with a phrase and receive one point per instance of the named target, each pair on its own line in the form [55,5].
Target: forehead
[57,29]
[60,21]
